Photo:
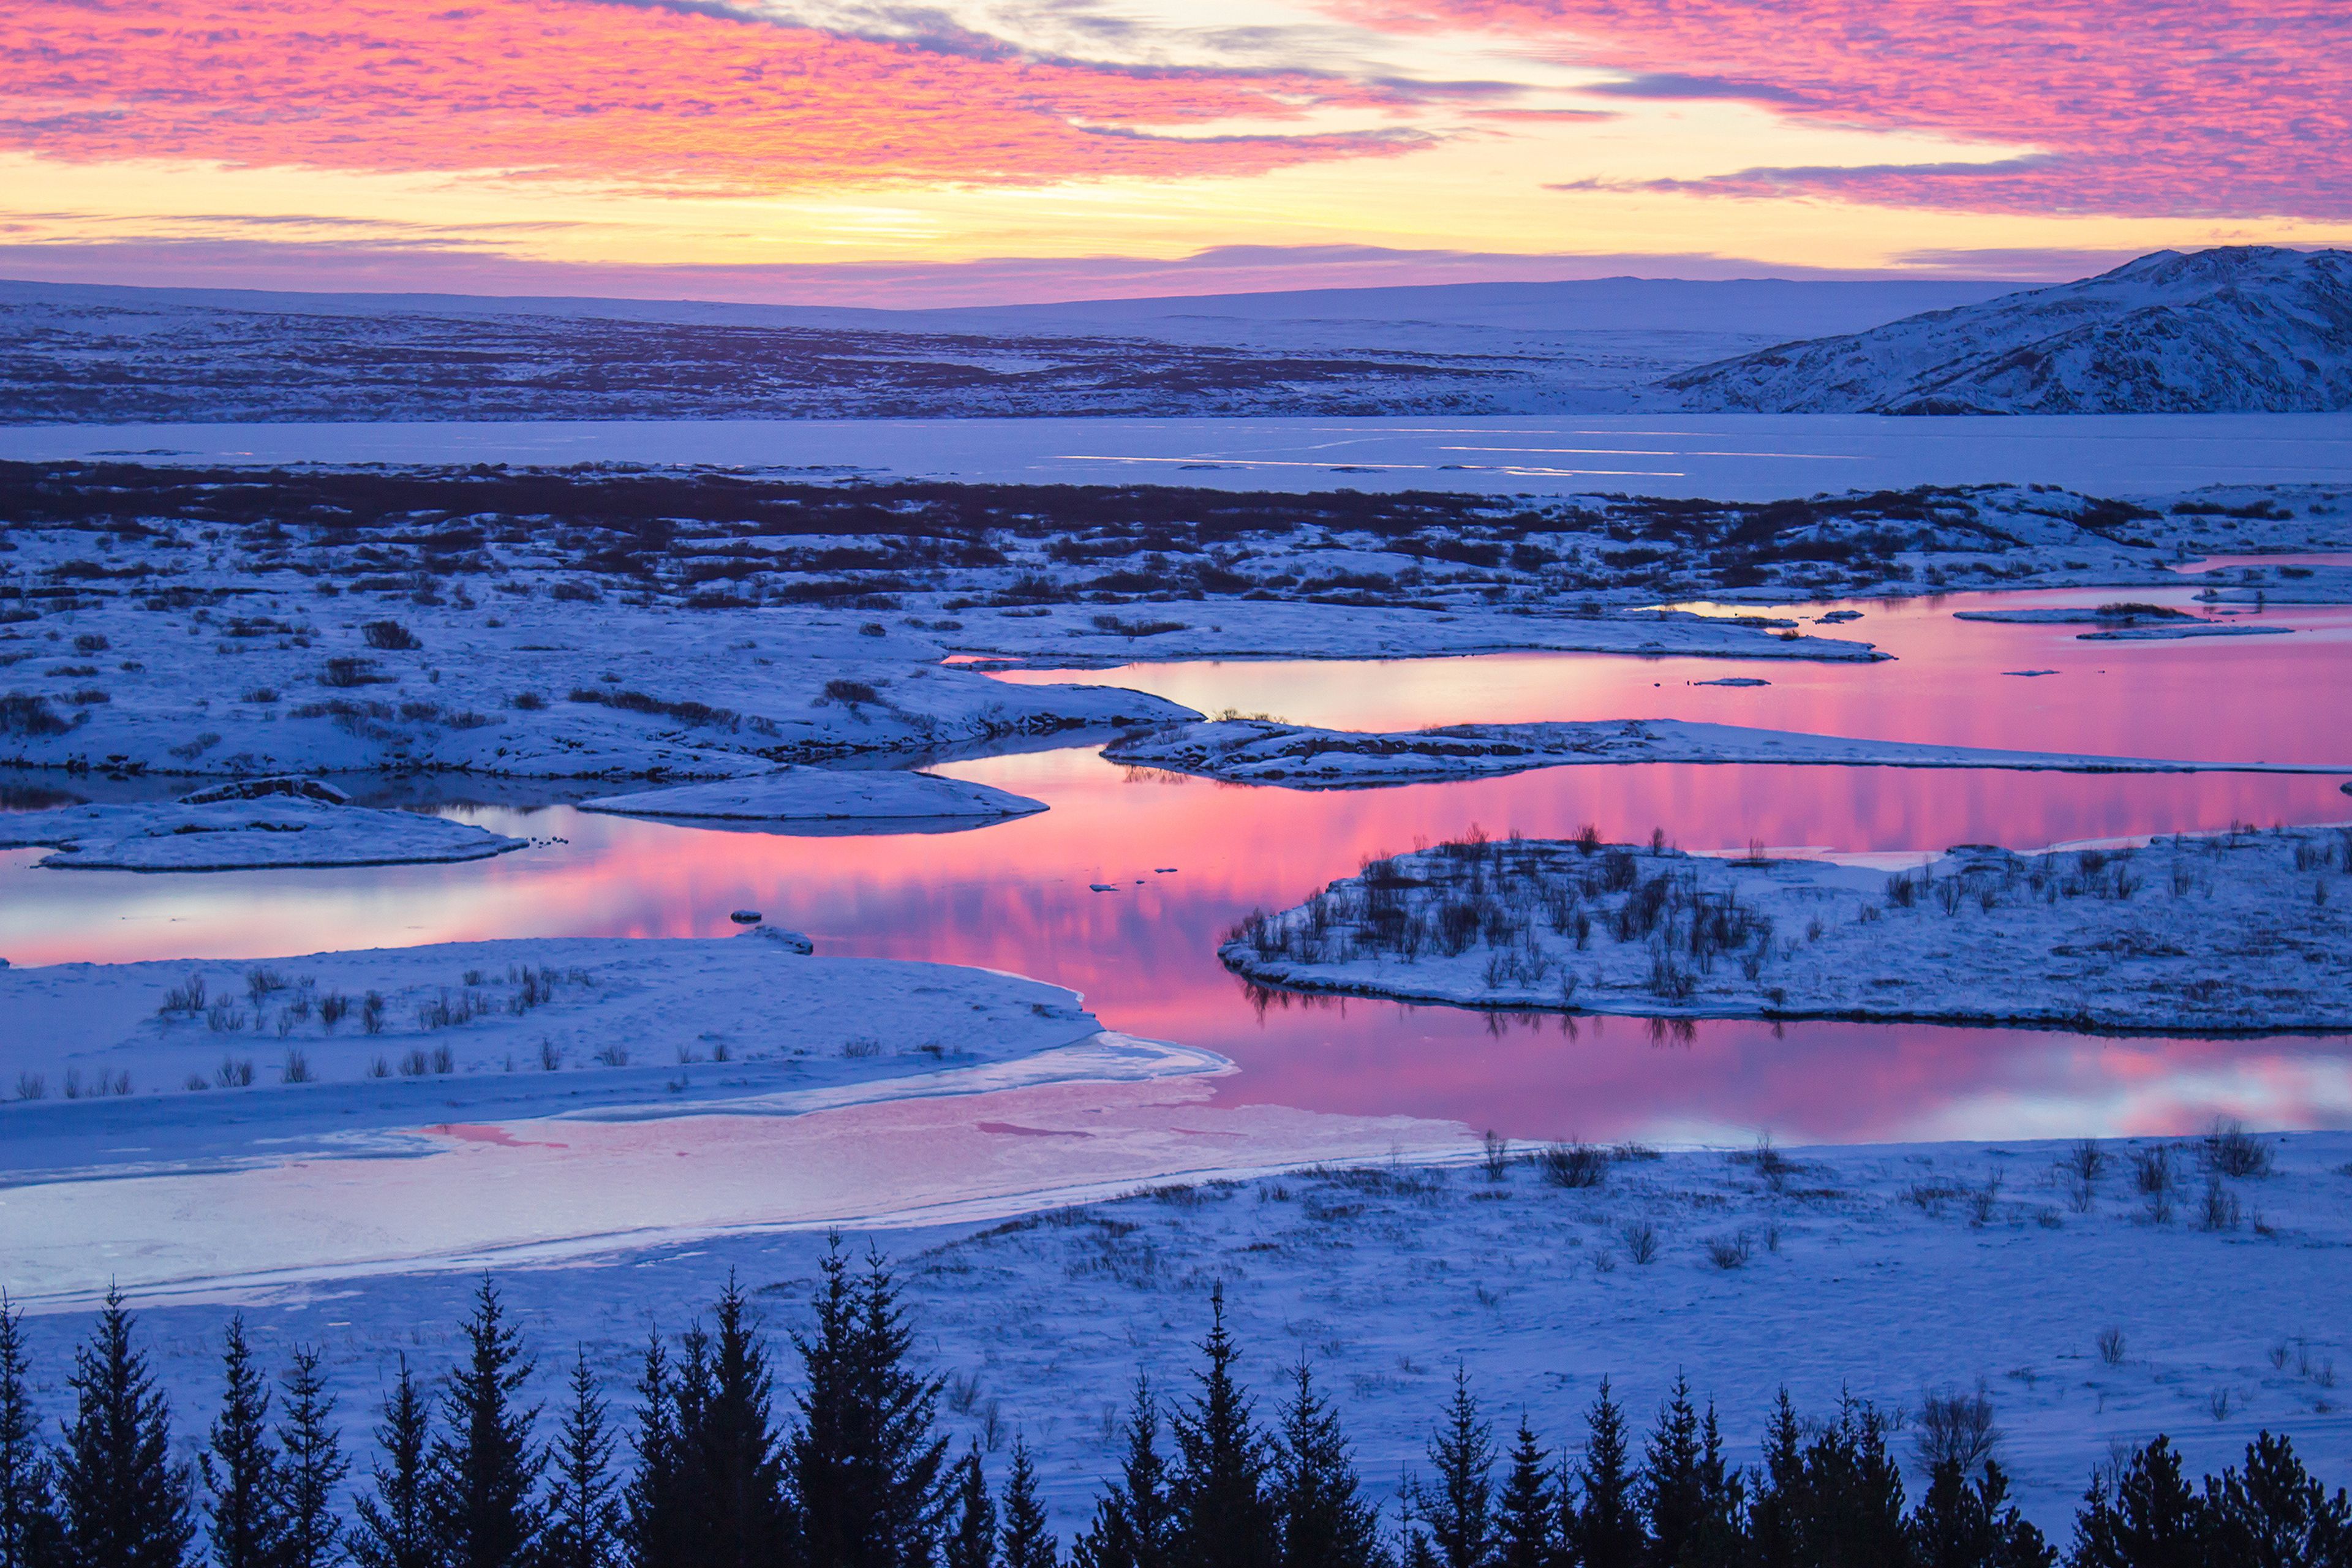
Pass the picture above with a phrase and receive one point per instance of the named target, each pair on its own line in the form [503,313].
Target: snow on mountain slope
[2238,330]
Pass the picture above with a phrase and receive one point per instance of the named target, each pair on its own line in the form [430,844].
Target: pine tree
[970,1540]
[583,1508]
[1455,1507]
[124,1503]
[1720,1533]
[1326,1521]
[865,1466]
[28,1520]
[1135,1522]
[482,1471]
[1670,1486]
[2147,1519]
[1608,1532]
[2275,1515]
[311,1466]
[660,1515]
[1958,1525]
[246,1520]
[1775,1524]
[1027,1542]
[1526,1516]
[393,1528]
[728,1478]
[1854,1493]
[1218,1487]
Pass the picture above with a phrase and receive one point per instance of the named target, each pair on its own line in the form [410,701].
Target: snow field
[2093,1315]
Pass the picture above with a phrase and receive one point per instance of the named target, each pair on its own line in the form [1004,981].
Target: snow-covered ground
[2093,1313]
[273,832]
[250,1062]
[182,621]
[825,796]
[1261,751]
[111,354]
[2247,931]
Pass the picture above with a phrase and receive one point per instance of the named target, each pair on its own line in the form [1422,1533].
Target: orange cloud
[688,99]
[2148,108]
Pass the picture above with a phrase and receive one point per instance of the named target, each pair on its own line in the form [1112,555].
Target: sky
[973,152]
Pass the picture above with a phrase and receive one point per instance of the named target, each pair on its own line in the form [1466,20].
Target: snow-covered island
[806,794]
[209,1058]
[2244,931]
[1301,757]
[269,824]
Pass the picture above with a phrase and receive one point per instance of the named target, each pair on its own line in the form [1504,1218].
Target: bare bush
[2228,1149]
[1640,1239]
[1730,1251]
[2111,1346]
[1956,1428]
[1573,1165]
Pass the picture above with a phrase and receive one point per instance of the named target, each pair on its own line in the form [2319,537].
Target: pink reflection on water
[2247,699]
[1018,896]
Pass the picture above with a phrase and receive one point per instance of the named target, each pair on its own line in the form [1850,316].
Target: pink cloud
[2174,108]
[575,88]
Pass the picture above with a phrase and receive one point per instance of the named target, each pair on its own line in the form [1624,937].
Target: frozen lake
[1727,457]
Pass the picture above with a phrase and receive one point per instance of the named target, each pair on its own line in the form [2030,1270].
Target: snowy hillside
[85,354]
[2240,330]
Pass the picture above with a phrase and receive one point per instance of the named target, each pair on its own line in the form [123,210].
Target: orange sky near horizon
[1029,148]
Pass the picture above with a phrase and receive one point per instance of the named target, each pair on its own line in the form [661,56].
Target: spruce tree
[245,1518]
[1854,1493]
[1027,1541]
[1670,1486]
[1455,1507]
[1608,1533]
[311,1466]
[1135,1521]
[1526,1516]
[970,1540]
[1720,1533]
[583,1507]
[483,1469]
[393,1528]
[1775,1522]
[28,1520]
[123,1501]
[2147,1519]
[865,1466]
[729,1458]
[1327,1522]
[2274,1514]
[1217,1488]
[660,1515]
[1961,1525]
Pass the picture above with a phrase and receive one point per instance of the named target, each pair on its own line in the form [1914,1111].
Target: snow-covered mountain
[2238,330]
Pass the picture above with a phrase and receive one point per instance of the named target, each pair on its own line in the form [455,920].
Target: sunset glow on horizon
[1000,150]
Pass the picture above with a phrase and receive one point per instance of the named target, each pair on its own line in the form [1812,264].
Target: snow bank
[1236,628]
[215,1061]
[825,795]
[1260,750]
[229,829]
[2245,932]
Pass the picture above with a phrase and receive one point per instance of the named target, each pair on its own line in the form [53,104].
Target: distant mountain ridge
[2248,328]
